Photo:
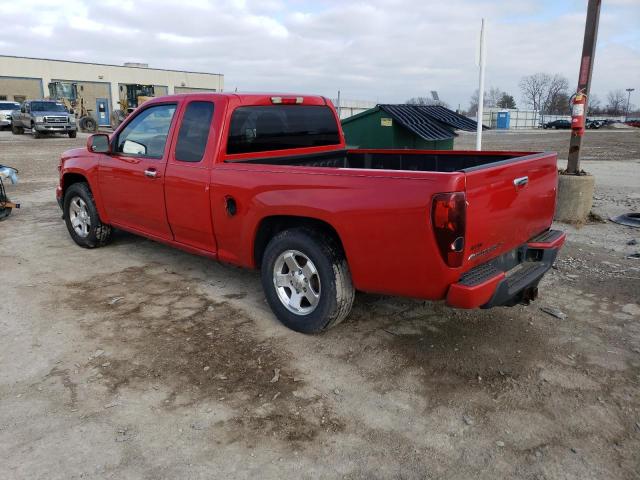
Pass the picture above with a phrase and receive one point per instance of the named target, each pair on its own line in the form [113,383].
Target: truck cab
[43,117]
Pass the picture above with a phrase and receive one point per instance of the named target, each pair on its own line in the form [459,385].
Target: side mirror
[99,143]
[22,109]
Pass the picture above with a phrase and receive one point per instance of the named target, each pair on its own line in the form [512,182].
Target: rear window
[278,127]
[9,106]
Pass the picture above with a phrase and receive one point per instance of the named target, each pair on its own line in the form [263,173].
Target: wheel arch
[71,177]
[272,225]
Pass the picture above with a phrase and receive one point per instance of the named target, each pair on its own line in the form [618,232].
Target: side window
[146,134]
[194,132]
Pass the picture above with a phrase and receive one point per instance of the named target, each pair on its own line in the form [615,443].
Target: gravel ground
[141,361]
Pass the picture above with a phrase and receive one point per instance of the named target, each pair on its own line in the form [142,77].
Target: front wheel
[306,280]
[82,219]
[16,130]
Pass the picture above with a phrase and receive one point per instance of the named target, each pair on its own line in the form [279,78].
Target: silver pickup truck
[43,117]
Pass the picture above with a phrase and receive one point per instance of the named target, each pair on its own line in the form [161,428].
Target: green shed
[426,127]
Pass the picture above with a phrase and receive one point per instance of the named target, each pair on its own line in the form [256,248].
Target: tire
[88,231]
[330,284]
[88,124]
[36,133]
[4,213]
[17,130]
[73,134]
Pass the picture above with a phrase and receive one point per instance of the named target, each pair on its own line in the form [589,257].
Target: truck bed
[408,160]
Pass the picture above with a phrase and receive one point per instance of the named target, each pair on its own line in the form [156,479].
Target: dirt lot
[140,361]
[603,144]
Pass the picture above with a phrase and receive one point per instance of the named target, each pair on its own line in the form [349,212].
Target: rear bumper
[510,279]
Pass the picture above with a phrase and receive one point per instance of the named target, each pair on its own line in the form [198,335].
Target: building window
[3,97]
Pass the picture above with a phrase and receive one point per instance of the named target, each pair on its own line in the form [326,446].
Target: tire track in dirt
[157,331]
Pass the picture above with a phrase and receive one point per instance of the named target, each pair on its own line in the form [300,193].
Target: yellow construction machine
[67,93]
[131,97]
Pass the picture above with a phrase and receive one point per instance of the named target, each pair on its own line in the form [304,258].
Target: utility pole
[482,60]
[629,90]
[584,78]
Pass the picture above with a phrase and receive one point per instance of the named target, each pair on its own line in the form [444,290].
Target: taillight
[287,100]
[448,217]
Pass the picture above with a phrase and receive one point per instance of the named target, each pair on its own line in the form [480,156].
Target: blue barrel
[503,120]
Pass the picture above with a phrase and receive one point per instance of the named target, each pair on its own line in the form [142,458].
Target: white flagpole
[481,89]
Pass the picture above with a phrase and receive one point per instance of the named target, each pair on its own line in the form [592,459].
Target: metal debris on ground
[627,219]
[276,375]
[554,312]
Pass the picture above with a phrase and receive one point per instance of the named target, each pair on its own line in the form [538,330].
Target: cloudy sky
[378,50]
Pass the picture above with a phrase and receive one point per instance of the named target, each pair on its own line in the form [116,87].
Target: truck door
[23,115]
[131,179]
[187,180]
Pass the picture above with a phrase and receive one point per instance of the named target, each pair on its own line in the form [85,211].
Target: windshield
[47,107]
[9,106]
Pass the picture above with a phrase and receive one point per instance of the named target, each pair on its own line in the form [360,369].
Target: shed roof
[429,122]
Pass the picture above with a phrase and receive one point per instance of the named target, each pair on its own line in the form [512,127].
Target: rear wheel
[82,219]
[306,280]
[17,130]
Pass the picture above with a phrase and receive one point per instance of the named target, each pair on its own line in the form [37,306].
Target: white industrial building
[348,108]
[100,85]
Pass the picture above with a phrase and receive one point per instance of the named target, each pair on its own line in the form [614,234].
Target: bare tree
[546,93]
[559,104]
[594,105]
[616,102]
[534,89]
[426,101]
[491,99]
[557,98]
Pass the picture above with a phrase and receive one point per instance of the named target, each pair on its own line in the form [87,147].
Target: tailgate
[508,202]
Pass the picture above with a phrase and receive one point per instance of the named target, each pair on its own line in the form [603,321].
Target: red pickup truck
[266,181]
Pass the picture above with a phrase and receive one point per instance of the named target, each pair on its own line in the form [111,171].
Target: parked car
[592,124]
[6,108]
[266,181]
[43,117]
[557,124]
[633,122]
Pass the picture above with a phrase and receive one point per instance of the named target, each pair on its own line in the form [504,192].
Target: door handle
[151,173]
[520,181]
